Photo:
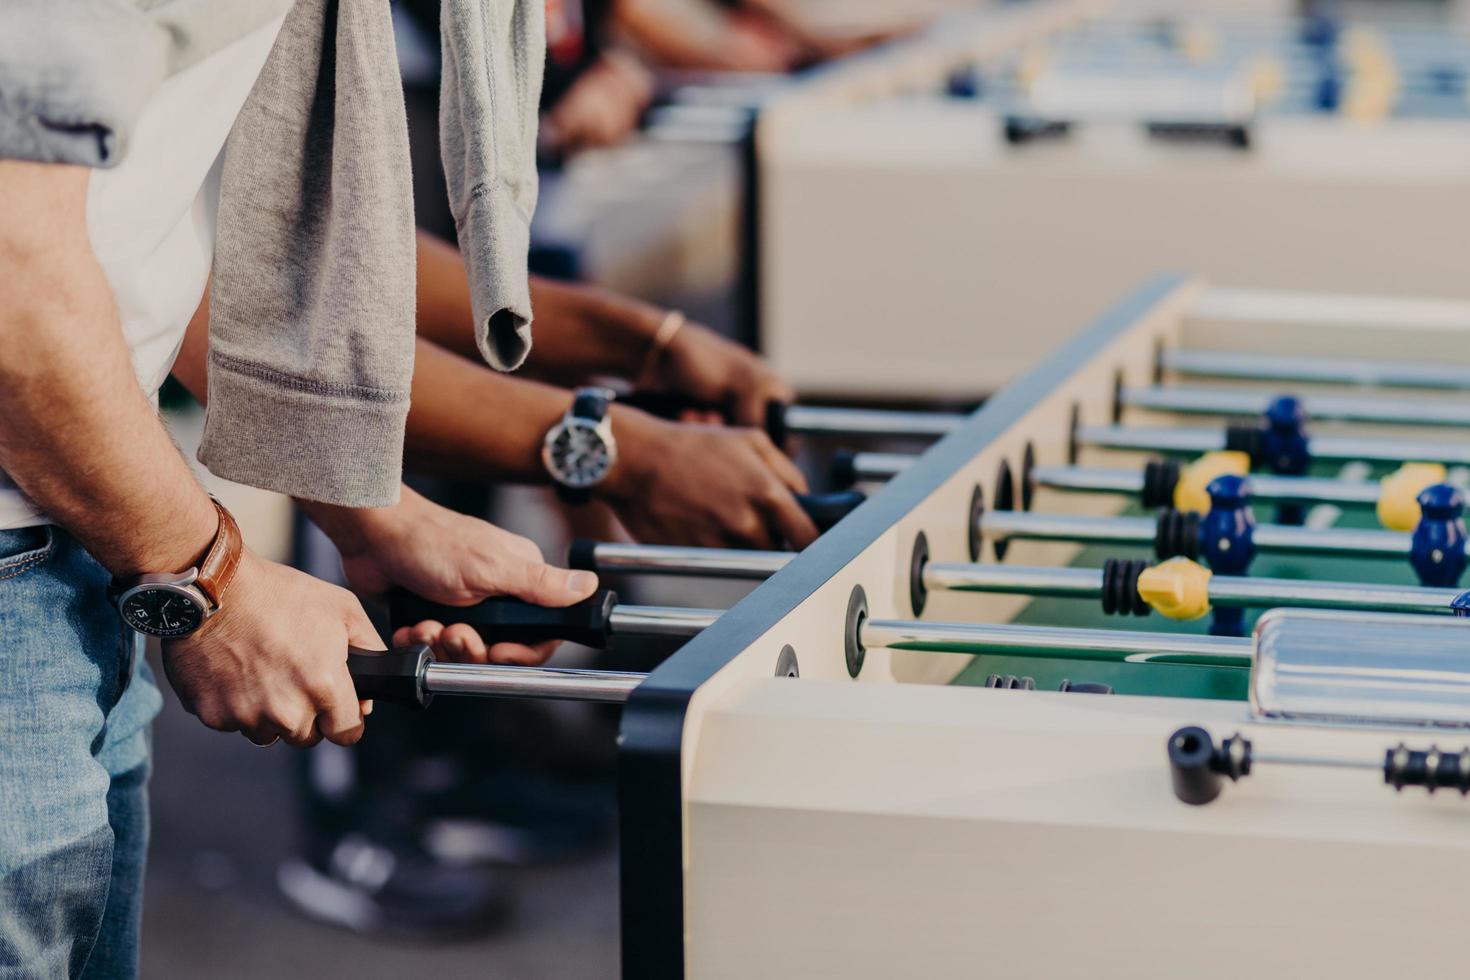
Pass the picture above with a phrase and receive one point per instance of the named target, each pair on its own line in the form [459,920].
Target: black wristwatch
[579,451]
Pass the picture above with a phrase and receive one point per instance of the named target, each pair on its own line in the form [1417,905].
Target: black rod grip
[391,676]
[583,554]
[666,405]
[826,509]
[776,423]
[507,620]
[844,469]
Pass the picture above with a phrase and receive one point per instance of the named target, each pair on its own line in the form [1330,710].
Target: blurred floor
[224,816]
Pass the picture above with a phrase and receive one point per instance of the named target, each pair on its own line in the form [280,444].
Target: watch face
[162,611]
[577,454]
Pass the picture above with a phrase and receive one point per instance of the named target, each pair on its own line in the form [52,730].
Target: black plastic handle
[665,405]
[776,426]
[391,676]
[844,468]
[506,620]
[826,509]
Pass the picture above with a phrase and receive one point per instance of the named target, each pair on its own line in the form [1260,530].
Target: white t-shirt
[151,218]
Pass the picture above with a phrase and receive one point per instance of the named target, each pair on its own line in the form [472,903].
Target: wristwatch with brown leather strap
[171,605]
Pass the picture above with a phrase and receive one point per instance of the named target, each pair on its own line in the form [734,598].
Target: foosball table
[943,184]
[1010,717]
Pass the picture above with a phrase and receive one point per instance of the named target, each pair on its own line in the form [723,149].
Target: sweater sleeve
[494,56]
[311,330]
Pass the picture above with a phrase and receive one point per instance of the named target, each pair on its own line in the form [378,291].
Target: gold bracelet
[668,328]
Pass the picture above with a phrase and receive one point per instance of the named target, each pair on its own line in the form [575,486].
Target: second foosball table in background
[935,216]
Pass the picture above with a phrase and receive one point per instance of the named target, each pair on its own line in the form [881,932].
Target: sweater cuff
[337,444]
[495,239]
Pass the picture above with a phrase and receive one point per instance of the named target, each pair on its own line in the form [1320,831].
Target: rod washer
[918,558]
[857,611]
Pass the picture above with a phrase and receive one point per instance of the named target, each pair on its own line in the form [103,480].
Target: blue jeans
[74,714]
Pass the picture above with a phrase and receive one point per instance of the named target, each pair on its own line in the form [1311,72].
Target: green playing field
[1163,679]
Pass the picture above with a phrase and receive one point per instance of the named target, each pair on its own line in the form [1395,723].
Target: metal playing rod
[646,559]
[878,467]
[849,468]
[1263,487]
[1321,370]
[1355,408]
[493,681]
[812,420]
[1110,646]
[1192,442]
[411,676]
[1224,590]
[699,562]
[1346,542]
[670,621]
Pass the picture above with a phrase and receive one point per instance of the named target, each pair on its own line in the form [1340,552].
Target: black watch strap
[590,404]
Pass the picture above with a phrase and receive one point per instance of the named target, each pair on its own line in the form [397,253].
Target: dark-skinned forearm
[77,434]
[581,331]
[469,422]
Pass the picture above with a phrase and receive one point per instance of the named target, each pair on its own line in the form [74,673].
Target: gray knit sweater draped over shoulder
[312,305]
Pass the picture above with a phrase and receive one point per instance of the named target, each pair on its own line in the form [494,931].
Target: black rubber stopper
[844,469]
[1084,687]
[918,558]
[1074,422]
[977,512]
[393,677]
[1019,130]
[1191,757]
[1005,499]
[776,423]
[1028,476]
[857,612]
[582,554]
[1120,587]
[1160,477]
[1176,534]
[1246,439]
[786,665]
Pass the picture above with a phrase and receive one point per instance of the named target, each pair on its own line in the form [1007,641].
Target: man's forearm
[581,331]
[77,434]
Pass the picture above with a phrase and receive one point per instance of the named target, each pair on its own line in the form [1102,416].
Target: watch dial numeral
[162,612]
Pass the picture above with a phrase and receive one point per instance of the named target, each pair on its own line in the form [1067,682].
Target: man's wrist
[350,528]
[179,544]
